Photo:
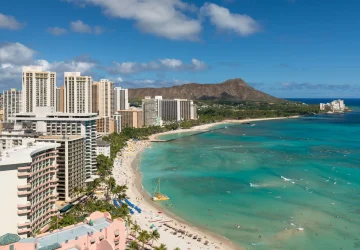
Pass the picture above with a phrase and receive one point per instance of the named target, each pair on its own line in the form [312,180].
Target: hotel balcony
[24,186]
[41,185]
[24,168]
[24,205]
[24,224]
[23,174]
[22,231]
[43,169]
[23,193]
[23,212]
[35,208]
[51,198]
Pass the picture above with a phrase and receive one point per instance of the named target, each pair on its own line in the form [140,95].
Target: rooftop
[101,143]
[54,116]
[22,154]
[61,137]
[71,233]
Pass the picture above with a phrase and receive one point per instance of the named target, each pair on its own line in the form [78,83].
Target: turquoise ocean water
[238,176]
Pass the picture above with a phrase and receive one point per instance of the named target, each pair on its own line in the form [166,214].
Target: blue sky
[288,48]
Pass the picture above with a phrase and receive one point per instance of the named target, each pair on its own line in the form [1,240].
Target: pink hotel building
[97,232]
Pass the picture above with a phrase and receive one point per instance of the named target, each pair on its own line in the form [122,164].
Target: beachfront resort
[336,106]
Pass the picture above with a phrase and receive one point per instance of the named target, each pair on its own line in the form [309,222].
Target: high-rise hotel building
[121,99]
[157,111]
[152,111]
[103,98]
[11,103]
[28,183]
[50,123]
[103,105]
[38,88]
[78,93]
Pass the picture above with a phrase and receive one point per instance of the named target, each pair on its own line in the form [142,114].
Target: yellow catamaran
[158,196]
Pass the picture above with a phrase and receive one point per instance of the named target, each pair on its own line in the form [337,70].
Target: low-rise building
[107,125]
[102,148]
[28,183]
[98,232]
[132,118]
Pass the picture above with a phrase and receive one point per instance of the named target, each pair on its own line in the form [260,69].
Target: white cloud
[56,31]
[168,64]
[15,53]
[126,67]
[80,27]
[171,63]
[66,66]
[119,79]
[9,22]
[198,65]
[150,83]
[143,81]
[223,19]
[165,18]
[98,30]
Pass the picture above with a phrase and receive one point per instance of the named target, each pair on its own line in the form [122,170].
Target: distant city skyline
[287,48]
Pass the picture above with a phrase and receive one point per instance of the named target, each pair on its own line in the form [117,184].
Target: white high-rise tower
[78,93]
[38,88]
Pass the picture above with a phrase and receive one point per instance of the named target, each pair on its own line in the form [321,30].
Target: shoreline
[209,125]
[126,171]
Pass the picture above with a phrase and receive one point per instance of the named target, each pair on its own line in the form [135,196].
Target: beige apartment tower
[38,88]
[77,93]
[103,98]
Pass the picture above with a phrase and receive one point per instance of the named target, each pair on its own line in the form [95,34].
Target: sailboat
[158,196]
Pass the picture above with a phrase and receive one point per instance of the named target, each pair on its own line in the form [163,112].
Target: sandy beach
[126,171]
[208,126]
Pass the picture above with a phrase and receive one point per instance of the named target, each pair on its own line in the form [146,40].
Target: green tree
[177,248]
[154,236]
[135,229]
[120,192]
[143,237]
[161,247]
[104,165]
[133,245]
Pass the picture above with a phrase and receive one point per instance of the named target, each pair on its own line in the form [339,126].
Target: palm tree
[143,237]
[133,246]
[154,235]
[110,183]
[119,191]
[135,228]
[161,247]
[128,221]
